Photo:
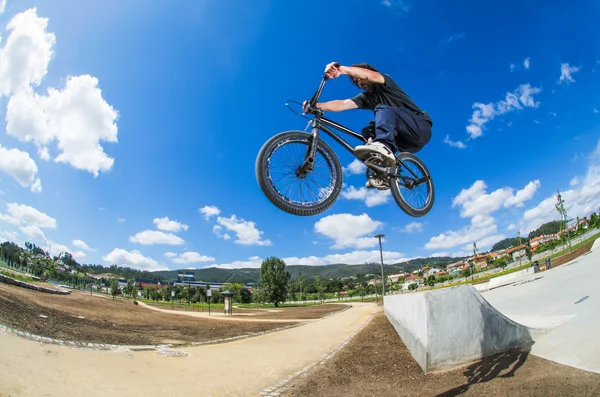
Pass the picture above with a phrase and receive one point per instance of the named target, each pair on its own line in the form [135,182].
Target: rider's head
[362,83]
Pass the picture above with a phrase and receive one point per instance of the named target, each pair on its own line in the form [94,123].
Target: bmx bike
[309,157]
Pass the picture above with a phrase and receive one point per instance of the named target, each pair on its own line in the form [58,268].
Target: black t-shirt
[389,93]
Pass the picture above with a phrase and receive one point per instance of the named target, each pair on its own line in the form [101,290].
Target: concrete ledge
[453,326]
[23,284]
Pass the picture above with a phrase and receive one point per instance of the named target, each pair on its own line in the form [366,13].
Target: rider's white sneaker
[362,151]
[375,183]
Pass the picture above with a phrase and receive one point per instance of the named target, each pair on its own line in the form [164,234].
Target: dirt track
[119,321]
[376,363]
[240,368]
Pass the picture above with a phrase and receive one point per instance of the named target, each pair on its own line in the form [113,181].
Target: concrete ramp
[454,326]
[595,245]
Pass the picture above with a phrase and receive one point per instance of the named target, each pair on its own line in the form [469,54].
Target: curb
[282,386]
[23,284]
[130,348]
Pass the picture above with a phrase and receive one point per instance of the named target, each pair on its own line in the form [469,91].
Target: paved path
[239,368]
[568,291]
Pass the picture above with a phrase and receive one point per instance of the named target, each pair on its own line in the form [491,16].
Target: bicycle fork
[311,152]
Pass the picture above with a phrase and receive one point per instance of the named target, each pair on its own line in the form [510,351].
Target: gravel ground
[111,322]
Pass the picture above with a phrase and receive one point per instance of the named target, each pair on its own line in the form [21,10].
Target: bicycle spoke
[316,185]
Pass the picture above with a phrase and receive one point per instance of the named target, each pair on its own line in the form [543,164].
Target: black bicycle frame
[317,124]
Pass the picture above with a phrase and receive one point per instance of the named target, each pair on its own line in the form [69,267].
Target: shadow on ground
[502,365]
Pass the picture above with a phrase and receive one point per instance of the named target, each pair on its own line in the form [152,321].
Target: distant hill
[326,272]
[547,228]
[508,242]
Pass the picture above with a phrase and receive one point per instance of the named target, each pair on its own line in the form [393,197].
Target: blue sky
[130,129]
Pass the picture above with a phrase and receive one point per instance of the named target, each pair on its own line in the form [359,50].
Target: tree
[114,287]
[274,280]
[560,207]
[301,283]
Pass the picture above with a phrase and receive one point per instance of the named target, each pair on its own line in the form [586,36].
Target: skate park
[553,315]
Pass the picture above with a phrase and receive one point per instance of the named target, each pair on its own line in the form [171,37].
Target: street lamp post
[379,236]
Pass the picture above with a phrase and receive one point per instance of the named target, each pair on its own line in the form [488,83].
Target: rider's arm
[337,105]
[361,73]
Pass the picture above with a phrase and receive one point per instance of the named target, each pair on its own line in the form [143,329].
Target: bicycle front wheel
[304,195]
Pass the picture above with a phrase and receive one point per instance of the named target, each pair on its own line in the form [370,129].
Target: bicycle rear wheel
[276,164]
[413,182]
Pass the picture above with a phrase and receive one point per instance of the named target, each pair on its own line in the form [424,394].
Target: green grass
[15,275]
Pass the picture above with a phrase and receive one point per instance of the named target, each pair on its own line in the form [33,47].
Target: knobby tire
[395,184]
[262,174]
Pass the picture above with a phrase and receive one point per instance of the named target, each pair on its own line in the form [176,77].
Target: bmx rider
[400,125]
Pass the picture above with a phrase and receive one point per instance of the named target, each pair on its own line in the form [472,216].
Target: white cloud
[121,220]
[467,235]
[439,254]
[371,197]
[150,237]
[566,72]
[356,167]
[245,231]
[218,230]
[579,201]
[520,98]
[401,6]
[350,258]
[134,259]
[595,110]
[527,63]
[79,255]
[475,201]
[253,262]
[452,143]
[477,204]
[26,54]
[76,116]
[81,245]
[33,231]
[168,225]
[21,167]
[189,257]
[448,39]
[512,67]
[26,215]
[2,6]
[209,211]
[512,226]
[55,249]
[9,235]
[413,227]
[574,182]
[348,230]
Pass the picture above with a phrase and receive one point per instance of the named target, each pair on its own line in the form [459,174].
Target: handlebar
[315,97]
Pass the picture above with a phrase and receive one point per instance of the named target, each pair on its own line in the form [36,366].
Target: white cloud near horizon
[134,259]
[348,231]
[475,203]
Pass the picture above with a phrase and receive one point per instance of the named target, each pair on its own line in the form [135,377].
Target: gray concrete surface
[569,291]
[554,314]
[454,326]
